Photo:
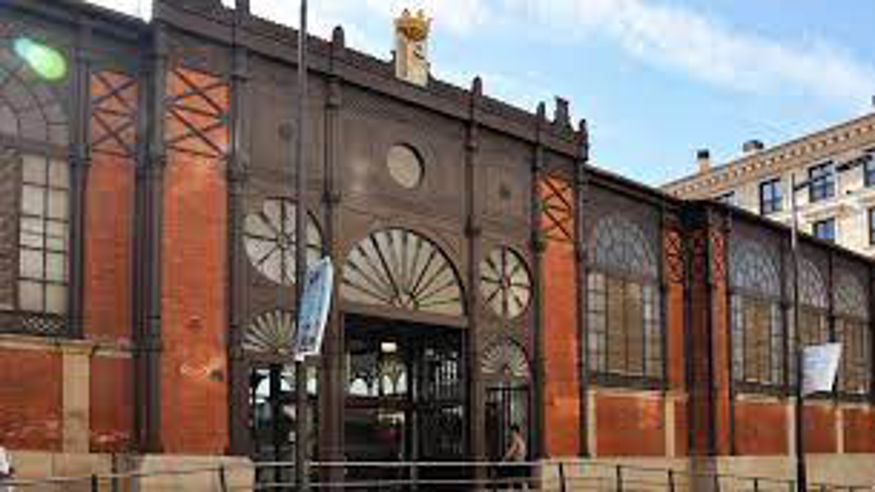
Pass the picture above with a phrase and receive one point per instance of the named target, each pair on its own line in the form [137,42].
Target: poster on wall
[819,366]
[315,303]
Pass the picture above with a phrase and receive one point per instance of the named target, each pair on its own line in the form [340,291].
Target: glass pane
[8,121]
[33,200]
[30,295]
[56,299]
[58,203]
[31,264]
[59,174]
[404,166]
[33,169]
[56,236]
[31,232]
[56,267]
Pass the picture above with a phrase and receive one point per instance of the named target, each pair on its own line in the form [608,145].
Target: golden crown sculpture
[414,28]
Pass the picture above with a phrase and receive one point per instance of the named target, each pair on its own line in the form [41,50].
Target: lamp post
[301,402]
[801,471]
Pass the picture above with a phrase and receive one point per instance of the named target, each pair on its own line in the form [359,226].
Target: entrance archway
[506,373]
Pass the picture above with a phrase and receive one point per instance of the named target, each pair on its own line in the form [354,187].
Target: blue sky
[656,79]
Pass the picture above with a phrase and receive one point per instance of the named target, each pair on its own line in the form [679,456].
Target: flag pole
[301,397]
[801,482]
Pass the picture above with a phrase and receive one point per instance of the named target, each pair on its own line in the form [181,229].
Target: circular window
[405,166]
[270,240]
[505,283]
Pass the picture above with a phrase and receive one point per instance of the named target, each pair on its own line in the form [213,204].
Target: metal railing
[554,476]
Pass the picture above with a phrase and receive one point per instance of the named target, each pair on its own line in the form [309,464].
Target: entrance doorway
[404,398]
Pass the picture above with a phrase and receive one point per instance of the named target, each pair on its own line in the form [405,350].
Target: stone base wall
[154,473]
[734,473]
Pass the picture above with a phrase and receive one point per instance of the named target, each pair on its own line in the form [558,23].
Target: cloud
[668,36]
[709,50]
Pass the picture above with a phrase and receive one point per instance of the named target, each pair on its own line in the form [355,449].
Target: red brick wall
[109,207]
[111,411]
[674,316]
[760,428]
[629,425]
[561,348]
[30,399]
[820,429]
[859,430]
[720,342]
[194,402]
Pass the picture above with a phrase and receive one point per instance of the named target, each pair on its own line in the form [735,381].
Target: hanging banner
[315,303]
[819,366]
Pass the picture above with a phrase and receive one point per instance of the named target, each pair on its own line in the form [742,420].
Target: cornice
[782,157]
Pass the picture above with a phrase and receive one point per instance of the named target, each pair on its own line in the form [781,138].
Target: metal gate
[505,406]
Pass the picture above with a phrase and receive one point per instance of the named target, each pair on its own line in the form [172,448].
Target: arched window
[401,269]
[757,331]
[623,315]
[813,305]
[34,198]
[852,331]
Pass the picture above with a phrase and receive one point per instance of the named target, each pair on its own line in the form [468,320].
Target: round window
[405,166]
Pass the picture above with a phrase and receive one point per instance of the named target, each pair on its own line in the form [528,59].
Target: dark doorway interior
[404,399]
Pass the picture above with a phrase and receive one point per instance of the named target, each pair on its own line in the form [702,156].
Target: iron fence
[553,476]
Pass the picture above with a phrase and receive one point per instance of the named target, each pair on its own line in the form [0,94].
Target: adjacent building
[486,274]
[834,171]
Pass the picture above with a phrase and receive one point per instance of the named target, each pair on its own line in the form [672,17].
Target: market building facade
[486,274]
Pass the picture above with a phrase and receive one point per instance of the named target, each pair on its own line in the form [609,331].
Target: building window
[822,182]
[852,331]
[871,216]
[623,314]
[43,229]
[35,214]
[813,310]
[757,328]
[869,170]
[727,198]
[770,196]
[825,229]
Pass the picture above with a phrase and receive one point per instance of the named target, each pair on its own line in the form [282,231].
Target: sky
[655,79]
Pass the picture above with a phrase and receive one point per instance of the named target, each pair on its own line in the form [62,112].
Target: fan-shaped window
[505,283]
[399,268]
[34,199]
[753,271]
[271,333]
[757,328]
[623,303]
[619,245]
[271,243]
[852,331]
[813,304]
[405,166]
[506,363]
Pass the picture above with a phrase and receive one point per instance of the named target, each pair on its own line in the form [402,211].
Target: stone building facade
[486,274]
[834,169]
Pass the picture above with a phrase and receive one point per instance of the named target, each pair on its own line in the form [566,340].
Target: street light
[801,478]
[47,62]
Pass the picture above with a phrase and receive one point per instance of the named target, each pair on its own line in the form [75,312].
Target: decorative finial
[415,28]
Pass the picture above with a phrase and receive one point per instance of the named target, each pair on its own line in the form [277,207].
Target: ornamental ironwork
[270,240]
[753,270]
[505,361]
[399,268]
[271,333]
[619,245]
[505,282]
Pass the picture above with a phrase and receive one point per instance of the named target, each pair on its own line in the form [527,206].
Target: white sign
[819,366]
[315,302]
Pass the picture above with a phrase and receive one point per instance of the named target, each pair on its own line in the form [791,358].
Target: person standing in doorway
[516,454]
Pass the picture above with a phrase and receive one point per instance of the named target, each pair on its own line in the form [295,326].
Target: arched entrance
[404,398]
[507,376]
